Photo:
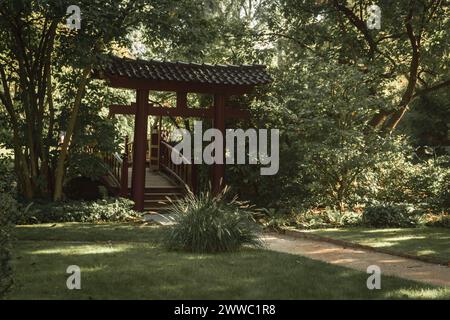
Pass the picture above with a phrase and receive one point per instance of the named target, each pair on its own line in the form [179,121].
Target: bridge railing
[185,172]
[118,164]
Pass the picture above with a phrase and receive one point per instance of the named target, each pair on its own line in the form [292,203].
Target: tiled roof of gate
[240,75]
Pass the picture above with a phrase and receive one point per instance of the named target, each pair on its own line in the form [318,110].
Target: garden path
[360,259]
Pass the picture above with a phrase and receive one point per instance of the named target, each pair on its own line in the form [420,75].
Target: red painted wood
[122,109]
[218,170]
[140,147]
[159,85]
[124,173]
[181,172]
[194,179]
[181,100]
[133,151]
[180,111]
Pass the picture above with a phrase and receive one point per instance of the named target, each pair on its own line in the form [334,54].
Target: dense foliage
[8,209]
[105,210]
[5,255]
[391,216]
[210,224]
[363,113]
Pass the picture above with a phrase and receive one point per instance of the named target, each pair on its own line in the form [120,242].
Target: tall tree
[409,52]
[36,43]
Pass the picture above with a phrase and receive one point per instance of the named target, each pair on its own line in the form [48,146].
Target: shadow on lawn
[433,243]
[147,271]
[89,232]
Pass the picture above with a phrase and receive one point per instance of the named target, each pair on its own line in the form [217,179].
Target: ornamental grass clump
[210,224]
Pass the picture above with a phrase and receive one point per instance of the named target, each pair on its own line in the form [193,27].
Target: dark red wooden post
[140,147]
[124,173]
[219,123]
[133,156]
[181,101]
[194,179]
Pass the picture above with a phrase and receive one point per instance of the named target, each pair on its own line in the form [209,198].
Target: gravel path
[360,259]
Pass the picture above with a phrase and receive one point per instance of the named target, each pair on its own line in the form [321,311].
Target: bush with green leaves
[401,177]
[8,210]
[326,135]
[328,218]
[441,220]
[431,184]
[105,210]
[392,216]
[8,206]
[209,224]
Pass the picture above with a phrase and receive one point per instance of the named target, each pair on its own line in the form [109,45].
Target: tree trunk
[60,166]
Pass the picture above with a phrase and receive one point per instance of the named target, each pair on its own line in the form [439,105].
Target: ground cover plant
[104,252]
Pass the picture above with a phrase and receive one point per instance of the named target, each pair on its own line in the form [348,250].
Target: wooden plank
[122,109]
[140,146]
[181,100]
[180,112]
[218,170]
[160,85]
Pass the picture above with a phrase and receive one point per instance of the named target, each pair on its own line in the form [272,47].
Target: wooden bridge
[150,158]
[163,179]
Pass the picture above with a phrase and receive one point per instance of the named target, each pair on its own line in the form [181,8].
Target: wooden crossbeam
[161,85]
[179,112]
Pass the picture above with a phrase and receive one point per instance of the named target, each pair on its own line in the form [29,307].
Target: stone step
[152,210]
[157,203]
[159,189]
[163,195]
[165,220]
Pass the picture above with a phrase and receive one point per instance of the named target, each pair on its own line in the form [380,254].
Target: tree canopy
[342,91]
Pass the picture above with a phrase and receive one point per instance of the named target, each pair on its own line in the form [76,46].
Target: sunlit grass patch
[83,249]
[141,268]
[433,243]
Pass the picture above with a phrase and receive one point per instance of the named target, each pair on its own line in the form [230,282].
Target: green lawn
[128,262]
[433,243]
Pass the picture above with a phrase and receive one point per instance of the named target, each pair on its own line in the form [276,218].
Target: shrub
[391,215]
[430,184]
[328,218]
[7,206]
[8,209]
[106,210]
[441,220]
[83,188]
[398,179]
[271,219]
[208,224]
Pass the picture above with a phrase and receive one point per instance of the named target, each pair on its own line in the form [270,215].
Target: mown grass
[433,243]
[120,261]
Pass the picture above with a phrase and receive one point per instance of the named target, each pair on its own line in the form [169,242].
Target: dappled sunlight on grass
[379,244]
[402,238]
[436,293]
[434,243]
[198,257]
[83,249]
[93,269]
[425,252]
[393,230]
[89,232]
[140,268]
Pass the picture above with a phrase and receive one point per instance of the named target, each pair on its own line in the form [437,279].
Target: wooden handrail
[115,163]
[184,172]
[118,165]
